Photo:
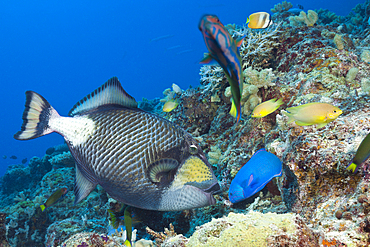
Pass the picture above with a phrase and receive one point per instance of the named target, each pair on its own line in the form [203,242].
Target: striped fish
[139,158]
[224,49]
[259,20]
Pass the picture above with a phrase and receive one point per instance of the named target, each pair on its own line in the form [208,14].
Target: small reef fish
[185,51]
[162,37]
[254,175]
[128,225]
[13,157]
[224,49]
[139,158]
[24,161]
[362,154]
[54,198]
[176,88]
[313,113]
[116,218]
[4,157]
[174,47]
[266,108]
[170,105]
[259,20]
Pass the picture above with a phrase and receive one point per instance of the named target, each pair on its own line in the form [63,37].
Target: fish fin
[110,92]
[113,217]
[248,20]
[84,184]
[352,167]
[36,117]
[320,125]
[207,59]
[127,243]
[239,42]
[300,123]
[42,207]
[260,150]
[160,170]
[290,117]
[234,111]
[277,103]
[250,180]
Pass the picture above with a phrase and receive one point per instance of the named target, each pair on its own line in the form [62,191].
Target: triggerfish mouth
[224,49]
[139,158]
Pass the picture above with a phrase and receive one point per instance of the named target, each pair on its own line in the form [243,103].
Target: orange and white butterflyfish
[259,20]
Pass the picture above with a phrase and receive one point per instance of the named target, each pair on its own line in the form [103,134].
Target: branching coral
[256,49]
[161,237]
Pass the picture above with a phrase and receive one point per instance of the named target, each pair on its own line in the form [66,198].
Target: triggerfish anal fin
[254,175]
[84,183]
[109,93]
[362,154]
[224,49]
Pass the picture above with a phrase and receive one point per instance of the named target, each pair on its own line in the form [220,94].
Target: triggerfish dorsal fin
[110,92]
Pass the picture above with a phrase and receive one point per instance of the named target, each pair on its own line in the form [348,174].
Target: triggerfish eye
[193,149]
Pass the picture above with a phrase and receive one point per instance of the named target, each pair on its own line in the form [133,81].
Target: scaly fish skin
[139,158]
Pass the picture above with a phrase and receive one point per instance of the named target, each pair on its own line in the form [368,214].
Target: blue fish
[254,175]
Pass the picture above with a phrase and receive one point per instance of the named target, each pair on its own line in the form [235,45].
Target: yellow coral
[309,19]
[250,229]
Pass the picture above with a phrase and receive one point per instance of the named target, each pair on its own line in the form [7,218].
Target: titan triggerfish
[139,158]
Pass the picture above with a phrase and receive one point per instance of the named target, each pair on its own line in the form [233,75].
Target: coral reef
[313,57]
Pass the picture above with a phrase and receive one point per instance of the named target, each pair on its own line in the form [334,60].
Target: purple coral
[105,238]
[83,244]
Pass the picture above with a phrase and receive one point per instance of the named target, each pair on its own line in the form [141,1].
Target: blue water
[66,49]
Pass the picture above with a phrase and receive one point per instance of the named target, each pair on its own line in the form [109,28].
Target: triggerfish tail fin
[36,117]
[352,167]
[235,111]
[42,207]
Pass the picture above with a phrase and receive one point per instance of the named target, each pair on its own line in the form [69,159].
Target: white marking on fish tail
[75,129]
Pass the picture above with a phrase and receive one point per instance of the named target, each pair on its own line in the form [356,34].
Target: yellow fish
[259,20]
[266,108]
[170,105]
[313,113]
